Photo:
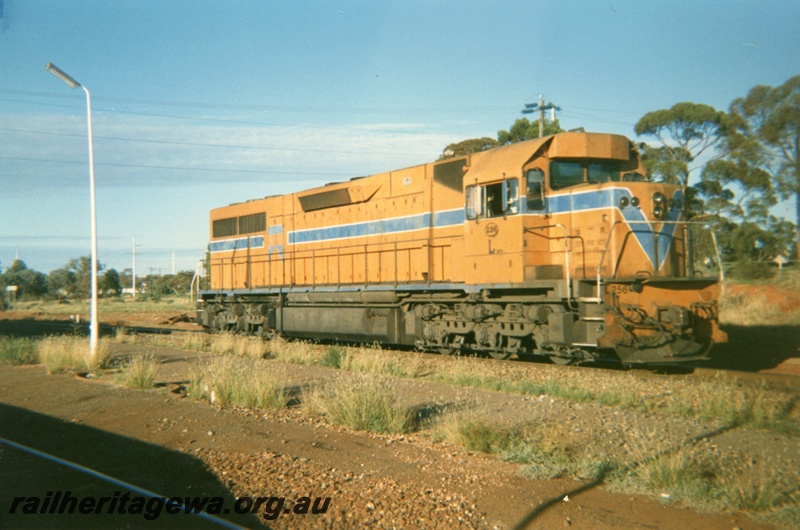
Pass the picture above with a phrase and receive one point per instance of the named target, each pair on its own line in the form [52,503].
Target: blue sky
[199,104]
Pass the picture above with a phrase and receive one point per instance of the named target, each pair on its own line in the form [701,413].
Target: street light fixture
[93,326]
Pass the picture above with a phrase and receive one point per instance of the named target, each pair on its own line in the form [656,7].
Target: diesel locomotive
[557,247]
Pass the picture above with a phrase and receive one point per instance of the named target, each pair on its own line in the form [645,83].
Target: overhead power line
[179,168]
[332,109]
[232,121]
[206,144]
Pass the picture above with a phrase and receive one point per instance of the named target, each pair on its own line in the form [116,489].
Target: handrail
[655,234]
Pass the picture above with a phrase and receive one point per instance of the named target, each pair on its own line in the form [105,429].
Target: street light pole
[93,326]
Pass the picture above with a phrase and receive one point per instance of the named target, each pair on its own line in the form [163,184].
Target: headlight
[623,202]
[635,202]
[659,205]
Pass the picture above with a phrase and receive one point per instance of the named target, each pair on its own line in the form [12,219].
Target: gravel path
[380,481]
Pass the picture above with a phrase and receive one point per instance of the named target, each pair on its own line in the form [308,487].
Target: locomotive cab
[579,222]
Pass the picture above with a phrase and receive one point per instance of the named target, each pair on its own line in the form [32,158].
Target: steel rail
[115,481]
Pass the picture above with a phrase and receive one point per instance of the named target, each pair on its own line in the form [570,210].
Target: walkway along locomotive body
[556,247]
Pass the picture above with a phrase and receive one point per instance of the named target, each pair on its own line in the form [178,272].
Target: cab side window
[492,200]
[474,204]
[534,196]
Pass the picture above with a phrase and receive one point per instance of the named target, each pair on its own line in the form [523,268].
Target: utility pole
[540,107]
[133,274]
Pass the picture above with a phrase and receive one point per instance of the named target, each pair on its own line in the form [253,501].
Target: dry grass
[680,475]
[747,310]
[108,305]
[695,476]
[373,360]
[293,351]
[540,447]
[578,387]
[754,490]
[715,400]
[18,351]
[364,403]
[194,341]
[66,353]
[690,474]
[140,372]
[237,345]
[240,382]
[732,404]
[776,305]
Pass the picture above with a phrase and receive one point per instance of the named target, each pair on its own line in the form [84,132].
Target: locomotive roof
[516,155]
[562,145]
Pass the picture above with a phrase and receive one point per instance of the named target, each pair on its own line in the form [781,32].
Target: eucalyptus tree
[523,129]
[30,283]
[768,138]
[466,147]
[685,132]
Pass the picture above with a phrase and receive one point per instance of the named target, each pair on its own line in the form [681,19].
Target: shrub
[752,270]
[334,356]
[17,351]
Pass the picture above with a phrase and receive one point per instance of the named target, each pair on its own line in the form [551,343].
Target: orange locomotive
[556,247]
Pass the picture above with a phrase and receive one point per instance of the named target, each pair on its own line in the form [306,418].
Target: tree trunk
[797,196]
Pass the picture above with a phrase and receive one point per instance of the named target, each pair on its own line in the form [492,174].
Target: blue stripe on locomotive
[556,204]
[236,244]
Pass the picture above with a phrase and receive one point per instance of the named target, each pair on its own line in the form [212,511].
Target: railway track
[782,381]
[40,328]
[751,378]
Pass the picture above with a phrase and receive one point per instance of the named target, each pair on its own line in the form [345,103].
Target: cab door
[540,240]
[493,234]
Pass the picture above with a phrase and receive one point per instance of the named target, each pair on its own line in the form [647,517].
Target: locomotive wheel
[500,355]
[563,361]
